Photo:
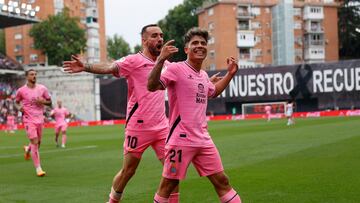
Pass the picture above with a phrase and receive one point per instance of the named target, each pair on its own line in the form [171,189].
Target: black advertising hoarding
[313,87]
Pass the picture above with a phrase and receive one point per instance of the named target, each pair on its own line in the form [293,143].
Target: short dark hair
[28,71]
[195,31]
[143,30]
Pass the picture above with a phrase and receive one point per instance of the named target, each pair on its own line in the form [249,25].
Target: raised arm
[154,78]
[223,83]
[76,66]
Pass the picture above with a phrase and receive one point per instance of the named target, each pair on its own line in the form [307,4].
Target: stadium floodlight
[28,7]
[4,8]
[10,3]
[27,12]
[32,13]
[17,10]
[23,6]
[15,4]
[37,8]
[2,1]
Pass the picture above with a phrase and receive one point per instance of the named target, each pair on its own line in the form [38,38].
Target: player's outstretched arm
[77,66]
[223,83]
[154,78]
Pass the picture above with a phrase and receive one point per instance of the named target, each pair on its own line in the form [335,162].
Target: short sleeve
[18,96]
[46,94]
[211,88]
[169,75]
[124,66]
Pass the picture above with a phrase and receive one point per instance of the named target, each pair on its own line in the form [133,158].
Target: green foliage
[2,42]
[349,38]
[59,36]
[178,21]
[137,48]
[117,47]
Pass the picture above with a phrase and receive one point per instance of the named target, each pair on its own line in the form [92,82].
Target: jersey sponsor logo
[200,95]
[190,77]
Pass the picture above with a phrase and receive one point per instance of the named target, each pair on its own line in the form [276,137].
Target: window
[210,12]
[33,57]
[256,25]
[212,54]
[256,11]
[297,11]
[19,59]
[297,25]
[18,36]
[17,48]
[211,26]
[257,39]
[211,40]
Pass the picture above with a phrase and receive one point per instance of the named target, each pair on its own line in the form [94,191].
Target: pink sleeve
[52,112]
[46,94]
[212,88]
[18,96]
[169,75]
[124,66]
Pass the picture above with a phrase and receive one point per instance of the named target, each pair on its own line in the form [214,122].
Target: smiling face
[196,48]
[152,39]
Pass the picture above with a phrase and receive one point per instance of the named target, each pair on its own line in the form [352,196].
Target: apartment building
[20,46]
[270,32]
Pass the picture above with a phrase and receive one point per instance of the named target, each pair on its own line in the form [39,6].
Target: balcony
[315,54]
[246,38]
[314,27]
[313,13]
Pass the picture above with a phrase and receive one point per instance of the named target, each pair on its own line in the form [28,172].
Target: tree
[178,21]
[2,42]
[137,48]
[349,30]
[117,47]
[59,36]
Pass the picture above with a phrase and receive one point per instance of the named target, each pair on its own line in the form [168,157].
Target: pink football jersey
[145,109]
[60,115]
[188,91]
[33,113]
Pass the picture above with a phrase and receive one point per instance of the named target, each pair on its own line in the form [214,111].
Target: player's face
[153,40]
[59,103]
[196,49]
[31,77]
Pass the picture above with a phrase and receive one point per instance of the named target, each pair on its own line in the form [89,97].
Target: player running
[30,100]
[60,114]
[289,113]
[146,123]
[189,141]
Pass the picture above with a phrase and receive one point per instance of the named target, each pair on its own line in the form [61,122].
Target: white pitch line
[52,151]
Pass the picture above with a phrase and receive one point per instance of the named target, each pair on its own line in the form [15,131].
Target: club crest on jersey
[200,95]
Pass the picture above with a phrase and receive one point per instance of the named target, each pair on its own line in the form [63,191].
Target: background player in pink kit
[189,141]
[268,112]
[10,123]
[30,100]
[60,113]
[146,123]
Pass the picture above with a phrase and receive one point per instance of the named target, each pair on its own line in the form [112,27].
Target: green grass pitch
[316,160]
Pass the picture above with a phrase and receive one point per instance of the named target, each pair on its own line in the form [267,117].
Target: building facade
[270,32]
[20,46]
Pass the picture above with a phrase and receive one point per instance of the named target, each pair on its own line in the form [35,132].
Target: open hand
[215,78]
[74,66]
